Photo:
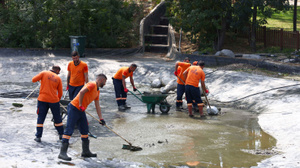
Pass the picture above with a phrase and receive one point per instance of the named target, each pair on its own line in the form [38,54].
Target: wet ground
[232,139]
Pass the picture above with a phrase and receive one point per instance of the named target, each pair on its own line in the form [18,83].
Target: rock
[165,78]
[172,85]
[218,53]
[251,56]
[213,111]
[225,52]
[156,83]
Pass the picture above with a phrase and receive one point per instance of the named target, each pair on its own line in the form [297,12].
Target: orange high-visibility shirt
[91,95]
[195,74]
[124,71]
[183,66]
[51,86]
[77,73]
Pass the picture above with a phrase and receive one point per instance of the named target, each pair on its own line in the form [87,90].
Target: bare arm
[98,109]
[123,81]
[86,77]
[203,86]
[185,73]
[132,82]
[176,67]
[68,78]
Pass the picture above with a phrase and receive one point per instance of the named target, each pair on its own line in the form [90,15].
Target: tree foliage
[49,23]
[206,21]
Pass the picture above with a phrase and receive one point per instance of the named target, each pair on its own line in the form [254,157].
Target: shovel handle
[66,94]
[108,128]
[181,80]
[206,98]
[32,91]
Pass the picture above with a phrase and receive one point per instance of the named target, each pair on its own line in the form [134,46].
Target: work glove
[102,122]
[125,90]
[206,91]
[175,73]
[67,87]
[134,89]
[82,108]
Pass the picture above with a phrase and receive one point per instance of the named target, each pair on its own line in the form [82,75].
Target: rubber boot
[190,108]
[63,152]
[201,112]
[86,149]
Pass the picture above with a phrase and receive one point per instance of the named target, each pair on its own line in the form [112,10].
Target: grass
[284,20]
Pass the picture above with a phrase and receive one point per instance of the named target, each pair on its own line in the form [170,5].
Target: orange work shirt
[51,86]
[91,95]
[195,74]
[124,71]
[183,66]
[77,73]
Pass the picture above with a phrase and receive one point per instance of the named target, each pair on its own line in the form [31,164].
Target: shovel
[129,146]
[21,104]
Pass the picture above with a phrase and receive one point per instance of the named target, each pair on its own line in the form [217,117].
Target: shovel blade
[131,148]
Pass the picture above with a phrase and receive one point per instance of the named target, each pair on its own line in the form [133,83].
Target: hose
[232,101]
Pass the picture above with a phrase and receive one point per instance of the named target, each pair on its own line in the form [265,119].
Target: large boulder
[165,77]
[225,52]
[172,85]
[156,83]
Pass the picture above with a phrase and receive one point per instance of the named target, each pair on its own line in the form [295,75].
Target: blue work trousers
[73,91]
[121,96]
[42,110]
[76,117]
[192,93]
[180,92]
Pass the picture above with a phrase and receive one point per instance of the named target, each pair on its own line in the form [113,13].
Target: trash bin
[78,44]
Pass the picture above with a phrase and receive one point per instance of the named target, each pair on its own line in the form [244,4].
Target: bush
[48,24]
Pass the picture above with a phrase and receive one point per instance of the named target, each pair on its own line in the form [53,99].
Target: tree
[247,9]
[295,16]
[2,2]
[204,20]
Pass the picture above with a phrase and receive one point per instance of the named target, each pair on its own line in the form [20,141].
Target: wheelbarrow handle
[140,92]
[135,95]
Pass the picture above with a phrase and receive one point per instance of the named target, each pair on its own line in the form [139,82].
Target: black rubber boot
[63,152]
[86,149]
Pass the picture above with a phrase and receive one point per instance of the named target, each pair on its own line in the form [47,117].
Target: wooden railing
[278,38]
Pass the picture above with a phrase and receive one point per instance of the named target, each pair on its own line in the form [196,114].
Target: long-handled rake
[129,146]
[21,104]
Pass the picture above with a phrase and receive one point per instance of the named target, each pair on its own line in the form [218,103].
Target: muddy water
[233,139]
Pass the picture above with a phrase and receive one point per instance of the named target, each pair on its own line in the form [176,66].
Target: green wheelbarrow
[152,99]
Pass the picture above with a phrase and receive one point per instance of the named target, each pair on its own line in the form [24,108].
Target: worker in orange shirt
[180,67]
[49,96]
[76,115]
[77,75]
[120,85]
[193,75]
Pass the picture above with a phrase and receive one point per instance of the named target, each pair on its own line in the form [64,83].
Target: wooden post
[281,39]
[297,38]
[265,36]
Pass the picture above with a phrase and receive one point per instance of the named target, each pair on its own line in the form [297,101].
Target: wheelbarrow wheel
[164,108]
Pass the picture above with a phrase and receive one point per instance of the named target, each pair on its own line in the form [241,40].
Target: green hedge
[48,24]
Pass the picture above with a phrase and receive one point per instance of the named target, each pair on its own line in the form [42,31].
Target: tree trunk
[2,3]
[253,30]
[219,42]
[295,16]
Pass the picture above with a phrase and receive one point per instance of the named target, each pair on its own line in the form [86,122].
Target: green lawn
[284,20]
